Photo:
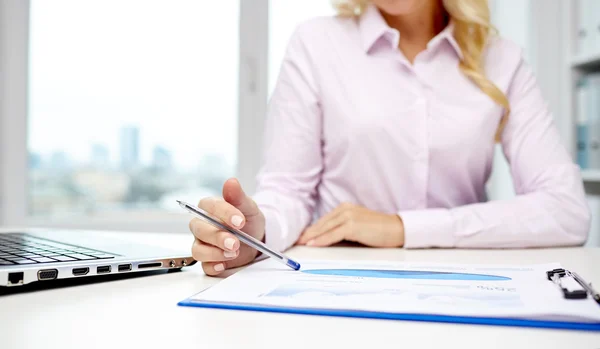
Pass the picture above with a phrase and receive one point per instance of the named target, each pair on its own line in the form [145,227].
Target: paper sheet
[408,288]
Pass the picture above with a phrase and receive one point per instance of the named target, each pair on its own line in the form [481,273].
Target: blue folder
[397,316]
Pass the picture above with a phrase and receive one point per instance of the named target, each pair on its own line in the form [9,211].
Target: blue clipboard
[554,275]
[397,316]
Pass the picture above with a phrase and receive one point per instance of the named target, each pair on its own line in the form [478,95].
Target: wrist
[263,239]
[397,230]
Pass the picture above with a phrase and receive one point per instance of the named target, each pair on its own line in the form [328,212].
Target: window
[132,104]
[122,106]
[284,16]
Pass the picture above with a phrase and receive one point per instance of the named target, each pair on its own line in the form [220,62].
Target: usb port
[81,271]
[103,269]
[124,267]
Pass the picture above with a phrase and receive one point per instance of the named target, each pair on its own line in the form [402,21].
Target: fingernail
[229,254]
[236,220]
[310,243]
[219,267]
[229,242]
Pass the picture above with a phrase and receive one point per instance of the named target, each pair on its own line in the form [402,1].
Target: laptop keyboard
[19,248]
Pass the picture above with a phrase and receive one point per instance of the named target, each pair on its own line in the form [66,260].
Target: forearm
[285,218]
[555,215]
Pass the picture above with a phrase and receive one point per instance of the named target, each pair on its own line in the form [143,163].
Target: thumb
[235,195]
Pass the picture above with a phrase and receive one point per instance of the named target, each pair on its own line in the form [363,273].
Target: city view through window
[132,103]
[61,184]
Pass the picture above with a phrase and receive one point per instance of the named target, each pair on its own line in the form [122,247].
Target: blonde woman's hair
[472,29]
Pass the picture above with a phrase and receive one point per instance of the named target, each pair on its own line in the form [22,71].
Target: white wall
[594,236]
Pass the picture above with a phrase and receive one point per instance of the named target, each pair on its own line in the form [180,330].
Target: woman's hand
[218,249]
[355,223]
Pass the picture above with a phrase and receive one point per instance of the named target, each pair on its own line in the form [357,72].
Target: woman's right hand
[217,249]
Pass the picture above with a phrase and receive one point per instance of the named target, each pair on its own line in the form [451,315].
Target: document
[489,291]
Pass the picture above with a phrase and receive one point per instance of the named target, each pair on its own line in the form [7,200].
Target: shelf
[591,175]
[590,61]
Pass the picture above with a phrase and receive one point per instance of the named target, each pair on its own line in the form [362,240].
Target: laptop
[43,256]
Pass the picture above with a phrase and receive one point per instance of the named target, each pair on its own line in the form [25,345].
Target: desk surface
[143,313]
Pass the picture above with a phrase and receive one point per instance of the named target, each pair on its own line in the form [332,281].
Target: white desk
[142,312]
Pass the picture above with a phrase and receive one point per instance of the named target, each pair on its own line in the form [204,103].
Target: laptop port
[150,265]
[15,278]
[124,267]
[80,271]
[47,274]
[103,269]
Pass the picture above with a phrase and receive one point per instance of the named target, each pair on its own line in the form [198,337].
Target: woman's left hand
[355,223]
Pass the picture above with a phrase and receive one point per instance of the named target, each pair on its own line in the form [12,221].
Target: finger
[235,195]
[332,237]
[208,253]
[325,223]
[211,235]
[319,224]
[324,228]
[245,255]
[213,268]
[223,210]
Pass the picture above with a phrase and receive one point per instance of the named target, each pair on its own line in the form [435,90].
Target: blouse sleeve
[292,162]
[550,207]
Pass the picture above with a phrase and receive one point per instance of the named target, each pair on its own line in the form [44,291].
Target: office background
[112,109]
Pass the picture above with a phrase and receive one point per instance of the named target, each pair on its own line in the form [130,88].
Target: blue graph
[462,297]
[406,274]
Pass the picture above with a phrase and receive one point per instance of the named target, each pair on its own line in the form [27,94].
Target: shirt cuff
[274,234]
[428,228]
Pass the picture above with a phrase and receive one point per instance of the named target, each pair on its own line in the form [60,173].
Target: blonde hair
[472,29]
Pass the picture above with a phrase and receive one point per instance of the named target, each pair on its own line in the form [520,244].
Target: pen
[245,238]
[588,287]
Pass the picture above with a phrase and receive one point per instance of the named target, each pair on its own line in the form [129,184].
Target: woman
[383,125]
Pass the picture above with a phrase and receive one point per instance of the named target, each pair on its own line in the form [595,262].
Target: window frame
[14,78]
